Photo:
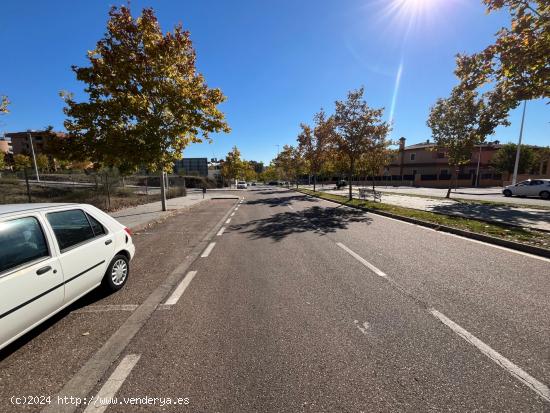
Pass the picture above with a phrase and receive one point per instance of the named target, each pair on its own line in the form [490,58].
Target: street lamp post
[518,153]
[33,156]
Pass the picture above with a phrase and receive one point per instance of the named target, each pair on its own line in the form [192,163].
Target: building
[5,146]
[424,164]
[192,166]
[21,143]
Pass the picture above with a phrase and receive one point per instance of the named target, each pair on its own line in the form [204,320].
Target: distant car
[241,185]
[342,183]
[253,184]
[53,254]
[273,183]
[531,187]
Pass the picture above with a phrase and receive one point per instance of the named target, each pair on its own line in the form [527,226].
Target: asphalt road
[303,305]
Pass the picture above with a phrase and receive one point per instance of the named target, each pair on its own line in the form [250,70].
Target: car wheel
[545,195]
[507,192]
[117,273]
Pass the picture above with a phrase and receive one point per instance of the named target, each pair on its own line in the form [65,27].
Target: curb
[541,252]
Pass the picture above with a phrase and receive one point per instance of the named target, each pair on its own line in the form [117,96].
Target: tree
[269,174]
[2,161]
[518,61]
[147,101]
[233,166]
[20,162]
[289,163]
[505,158]
[249,173]
[541,161]
[376,158]
[4,102]
[42,162]
[464,120]
[358,129]
[314,144]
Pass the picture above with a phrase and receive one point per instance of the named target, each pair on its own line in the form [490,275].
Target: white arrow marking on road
[541,389]
[208,250]
[362,260]
[113,383]
[180,289]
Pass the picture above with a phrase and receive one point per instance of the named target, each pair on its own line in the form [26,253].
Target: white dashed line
[220,232]
[362,260]
[113,383]
[232,214]
[228,220]
[208,250]
[290,206]
[180,289]
[541,389]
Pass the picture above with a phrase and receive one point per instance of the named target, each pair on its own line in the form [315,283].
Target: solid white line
[362,260]
[541,389]
[173,299]
[228,220]
[220,232]
[108,307]
[113,383]
[208,250]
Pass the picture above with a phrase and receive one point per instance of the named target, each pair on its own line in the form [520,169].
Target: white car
[531,187]
[53,254]
[241,185]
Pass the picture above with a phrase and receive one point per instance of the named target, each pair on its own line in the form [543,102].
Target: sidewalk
[523,217]
[138,217]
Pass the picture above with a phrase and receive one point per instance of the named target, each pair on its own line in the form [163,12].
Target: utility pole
[162,191]
[33,156]
[518,153]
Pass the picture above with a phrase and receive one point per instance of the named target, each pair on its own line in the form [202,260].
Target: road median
[521,239]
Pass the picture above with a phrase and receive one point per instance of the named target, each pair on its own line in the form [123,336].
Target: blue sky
[278,62]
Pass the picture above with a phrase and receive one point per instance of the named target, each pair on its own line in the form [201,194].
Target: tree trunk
[450,185]
[162,191]
[351,171]
[314,181]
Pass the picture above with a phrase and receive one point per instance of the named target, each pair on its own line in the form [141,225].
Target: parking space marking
[541,389]
[113,384]
[362,261]
[208,250]
[105,308]
[180,289]
[220,232]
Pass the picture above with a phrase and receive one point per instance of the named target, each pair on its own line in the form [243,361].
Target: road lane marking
[104,308]
[362,260]
[220,232]
[290,206]
[113,384]
[541,389]
[208,250]
[228,220]
[232,214]
[180,289]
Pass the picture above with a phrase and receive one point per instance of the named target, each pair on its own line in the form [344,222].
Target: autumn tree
[20,162]
[289,163]
[42,162]
[518,62]
[505,158]
[146,102]
[378,156]
[4,102]
[2,162]
[314,143]
[358,129]
[233,166]
[464,120]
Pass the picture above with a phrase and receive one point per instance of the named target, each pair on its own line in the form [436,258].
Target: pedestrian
[203,190]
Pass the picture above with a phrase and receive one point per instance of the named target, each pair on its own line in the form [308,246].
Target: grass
[523,235]
[15,192]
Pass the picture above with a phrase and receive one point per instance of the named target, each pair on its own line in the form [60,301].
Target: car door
[522,188]
[534,188]
[31,278]
[85,247]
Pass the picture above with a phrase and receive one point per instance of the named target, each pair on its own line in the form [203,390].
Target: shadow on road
[320,220]
[499,213]
[283,201]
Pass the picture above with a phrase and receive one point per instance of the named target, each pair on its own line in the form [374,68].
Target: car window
[96,226]
[70,227]
[21,241]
